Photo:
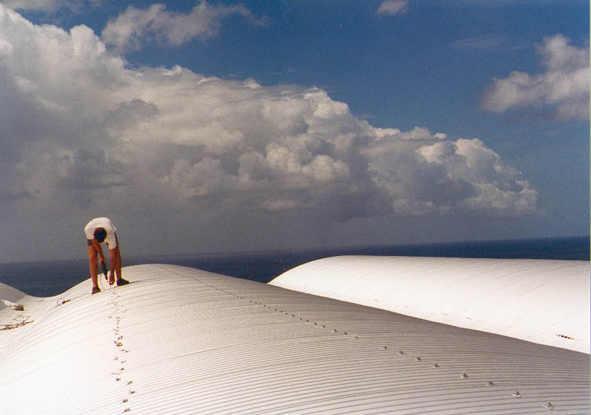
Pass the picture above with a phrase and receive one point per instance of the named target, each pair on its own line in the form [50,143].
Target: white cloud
[51,6]
[42,5]
[393,7]
[563,86]
[82,135]
[134,27]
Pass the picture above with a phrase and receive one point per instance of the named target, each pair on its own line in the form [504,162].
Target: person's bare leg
[115,255]
[118,263]
[92,265]
[113,261]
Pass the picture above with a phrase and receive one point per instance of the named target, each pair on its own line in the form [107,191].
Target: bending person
[97,231]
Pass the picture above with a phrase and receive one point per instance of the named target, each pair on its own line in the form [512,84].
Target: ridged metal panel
[182,341]
[544,301]
[10,294]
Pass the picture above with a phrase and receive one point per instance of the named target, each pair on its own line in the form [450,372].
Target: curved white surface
[182,341]
[543,301]
[10,294]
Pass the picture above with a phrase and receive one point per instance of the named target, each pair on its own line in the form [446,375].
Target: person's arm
[98,248]
[99,251]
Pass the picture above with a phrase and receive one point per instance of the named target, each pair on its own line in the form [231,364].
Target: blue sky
[227,126]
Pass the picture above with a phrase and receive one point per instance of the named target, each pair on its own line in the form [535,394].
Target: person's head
[100,234]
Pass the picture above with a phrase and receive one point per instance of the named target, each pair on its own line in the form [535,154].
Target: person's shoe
[96,290]
[121,281]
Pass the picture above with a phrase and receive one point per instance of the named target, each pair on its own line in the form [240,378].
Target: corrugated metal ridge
[182,341]
[543,301]
[10,294]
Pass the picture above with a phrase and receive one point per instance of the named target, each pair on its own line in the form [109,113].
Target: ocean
[44,279]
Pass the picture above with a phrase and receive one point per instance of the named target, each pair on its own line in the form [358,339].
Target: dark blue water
[51,278]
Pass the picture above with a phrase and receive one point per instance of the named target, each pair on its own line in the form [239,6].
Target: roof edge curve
[542,301]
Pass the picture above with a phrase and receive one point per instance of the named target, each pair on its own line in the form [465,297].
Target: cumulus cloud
[43,5]
[134,27]
[83,133]
[393,7]
[50,6]
[562,87]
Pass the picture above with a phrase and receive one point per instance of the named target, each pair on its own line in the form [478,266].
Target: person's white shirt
[107,225]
